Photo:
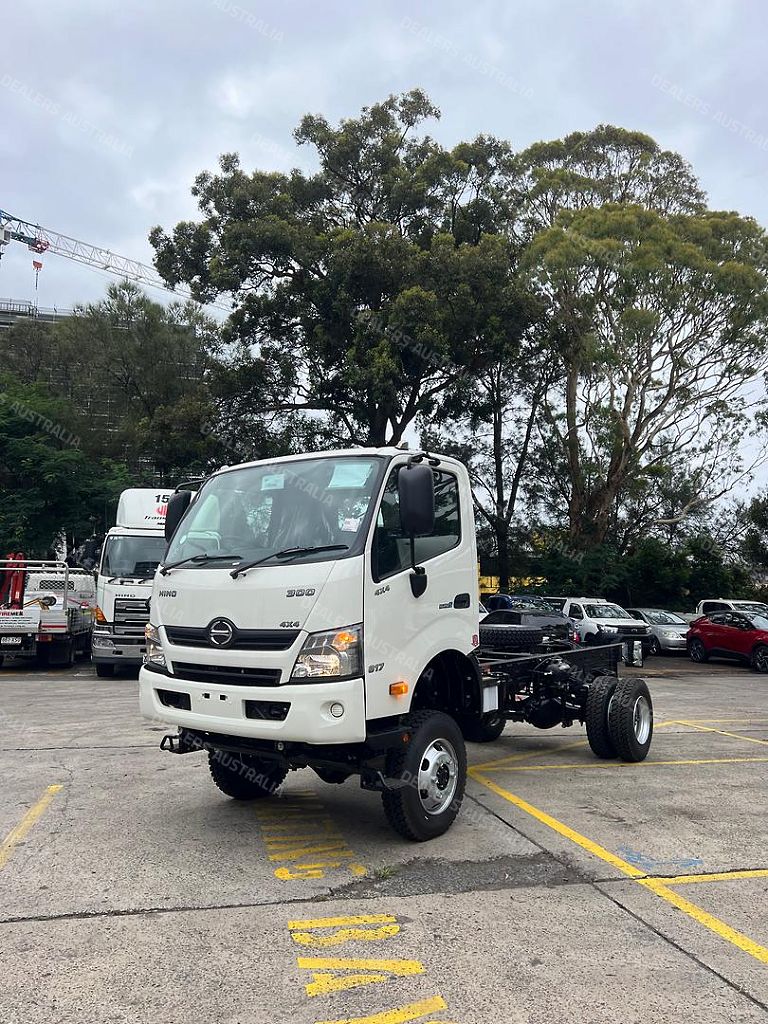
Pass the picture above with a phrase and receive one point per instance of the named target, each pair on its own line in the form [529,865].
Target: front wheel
[697,651]
[244,777]
[655,647]
[630,719]
[431,773]
[105,671]
[485,729]
[759,659]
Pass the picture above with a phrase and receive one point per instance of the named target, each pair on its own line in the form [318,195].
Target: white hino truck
[322,611]
[130,554]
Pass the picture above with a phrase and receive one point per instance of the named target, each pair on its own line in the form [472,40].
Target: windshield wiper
[287,553]
[198,560]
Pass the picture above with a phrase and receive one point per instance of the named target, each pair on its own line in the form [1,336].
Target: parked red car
[732,634]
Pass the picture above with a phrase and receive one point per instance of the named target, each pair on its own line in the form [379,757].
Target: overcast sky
[108,110]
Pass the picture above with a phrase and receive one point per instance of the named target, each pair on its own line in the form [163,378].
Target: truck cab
[130,554]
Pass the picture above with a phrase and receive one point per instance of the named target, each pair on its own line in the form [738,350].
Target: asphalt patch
[417,877]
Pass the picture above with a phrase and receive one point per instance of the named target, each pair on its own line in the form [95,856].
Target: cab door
[403,632]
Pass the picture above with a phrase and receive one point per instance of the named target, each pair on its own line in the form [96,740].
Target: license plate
[10,641]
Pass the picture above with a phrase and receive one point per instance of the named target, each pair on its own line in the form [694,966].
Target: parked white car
[601,622]
[724,604]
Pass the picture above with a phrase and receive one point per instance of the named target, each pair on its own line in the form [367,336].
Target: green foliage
[48,484]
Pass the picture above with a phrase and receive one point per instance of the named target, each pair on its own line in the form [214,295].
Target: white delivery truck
[46,610]
[131,552]
[321,611]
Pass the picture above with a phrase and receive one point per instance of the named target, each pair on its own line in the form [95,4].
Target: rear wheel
[697,651]
[244,777]
[432,771]
[485,729]
[630,719]
[105,671]
[599,696]
[760,658]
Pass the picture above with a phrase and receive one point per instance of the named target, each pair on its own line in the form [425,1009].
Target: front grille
[267,710]
[243,639]
[633,630]
[231,675]
[131,616]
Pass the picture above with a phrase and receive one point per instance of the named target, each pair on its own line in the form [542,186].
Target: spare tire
[512,638]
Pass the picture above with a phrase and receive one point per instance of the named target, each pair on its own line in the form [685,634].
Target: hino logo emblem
[221,632]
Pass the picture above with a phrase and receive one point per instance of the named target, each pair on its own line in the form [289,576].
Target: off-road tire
[630,719]
[403,806]
[105,671]
[599,695]
[516,639]
[701,652]
[759,660]
[485,729]
[244,777]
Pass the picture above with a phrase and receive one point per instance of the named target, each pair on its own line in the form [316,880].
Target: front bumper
[221,708]
[668,643]
[117,650]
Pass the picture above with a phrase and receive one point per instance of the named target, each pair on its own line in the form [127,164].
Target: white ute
[321,611]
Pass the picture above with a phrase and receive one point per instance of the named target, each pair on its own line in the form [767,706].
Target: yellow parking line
[655,886]
[714,924]
[622,764]
[722,732]
[562,829]
[715,876]
[18,833]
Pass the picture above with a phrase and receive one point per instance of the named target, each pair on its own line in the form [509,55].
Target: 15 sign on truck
[322,611]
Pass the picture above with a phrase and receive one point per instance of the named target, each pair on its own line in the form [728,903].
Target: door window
[575,611]
[391,551]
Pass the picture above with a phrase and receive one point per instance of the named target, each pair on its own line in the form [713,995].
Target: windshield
[135,557]
[254,512]
[750,607]
[605,611]
[659,618]
[758,621]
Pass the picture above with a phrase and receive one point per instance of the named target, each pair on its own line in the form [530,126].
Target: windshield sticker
[273,482]
[350,525]
[350,474]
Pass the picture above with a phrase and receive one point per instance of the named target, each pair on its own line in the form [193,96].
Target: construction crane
[40,240]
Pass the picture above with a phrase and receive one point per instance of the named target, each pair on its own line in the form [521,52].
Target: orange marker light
[343,640]
[398,689]
[99,615]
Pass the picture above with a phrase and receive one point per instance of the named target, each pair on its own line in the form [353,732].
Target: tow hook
[181,743]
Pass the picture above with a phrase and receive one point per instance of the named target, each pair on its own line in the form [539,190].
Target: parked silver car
[668,629]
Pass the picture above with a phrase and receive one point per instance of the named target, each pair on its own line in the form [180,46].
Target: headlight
[154,654]
[671,634]
[337,654]
[609,629]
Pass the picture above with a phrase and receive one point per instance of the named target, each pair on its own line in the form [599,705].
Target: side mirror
[177,506]
[416,490]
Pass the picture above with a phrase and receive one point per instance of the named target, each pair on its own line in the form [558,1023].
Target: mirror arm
[419,575]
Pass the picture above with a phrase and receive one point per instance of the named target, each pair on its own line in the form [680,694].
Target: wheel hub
[641,720]
[438,775]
